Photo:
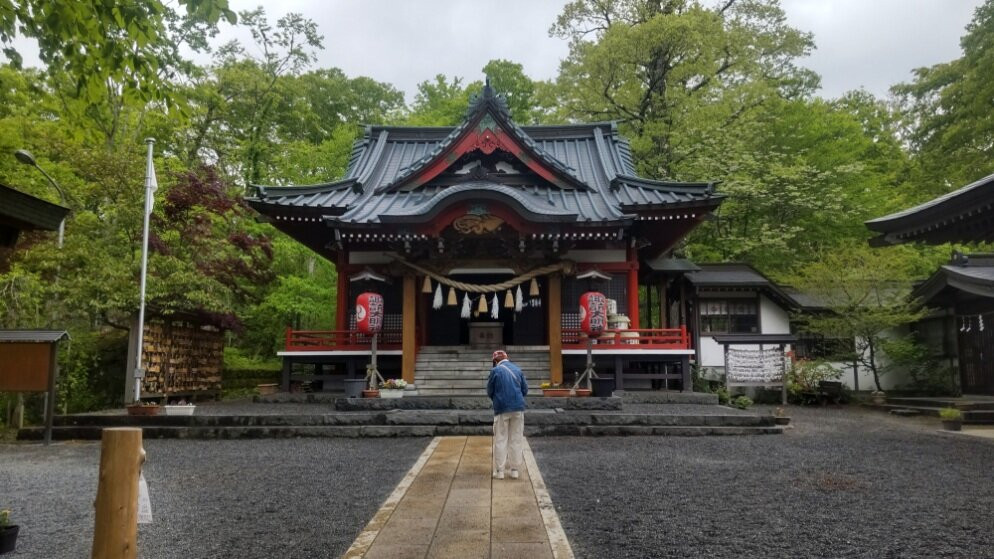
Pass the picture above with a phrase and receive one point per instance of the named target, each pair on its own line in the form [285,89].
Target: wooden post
[555,307]
[342,296]
[664,321]
[633,288]
[53,373]
[408,327]
[115,530]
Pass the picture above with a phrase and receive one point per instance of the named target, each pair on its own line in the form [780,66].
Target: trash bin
[354,387]
[602,387]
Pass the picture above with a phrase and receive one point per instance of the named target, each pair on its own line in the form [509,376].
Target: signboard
[25,367]
[593,313]
[369,313]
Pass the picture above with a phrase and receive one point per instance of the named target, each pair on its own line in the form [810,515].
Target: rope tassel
[483,305]
[509,300]
[437,302]
[452,300]
[533,288]
[426,288]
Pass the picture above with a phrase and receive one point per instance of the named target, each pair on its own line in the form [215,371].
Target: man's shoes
[514,474]
[500,475]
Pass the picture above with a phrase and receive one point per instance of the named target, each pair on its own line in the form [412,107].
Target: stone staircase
[976,410]
[463,371]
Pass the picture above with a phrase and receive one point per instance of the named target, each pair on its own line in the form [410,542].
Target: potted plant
[878,397]
[370,393]
[780,417]
[8,533]
[143,408]
[581,392]
[179,408]
[392,388]
[554,390]
[267,389]
[952,419]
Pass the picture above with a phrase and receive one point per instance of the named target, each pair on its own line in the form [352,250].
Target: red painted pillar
[633,287]
[342,295]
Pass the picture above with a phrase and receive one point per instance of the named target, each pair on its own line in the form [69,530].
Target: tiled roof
[32,336]
[593,157]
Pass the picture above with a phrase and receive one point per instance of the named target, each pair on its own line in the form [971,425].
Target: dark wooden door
[976,355]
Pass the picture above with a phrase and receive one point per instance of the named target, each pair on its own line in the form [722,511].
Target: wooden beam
[555,328]
[633,287]
[409,326]
[342,294]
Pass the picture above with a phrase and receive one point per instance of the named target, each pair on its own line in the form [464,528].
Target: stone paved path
[449,506]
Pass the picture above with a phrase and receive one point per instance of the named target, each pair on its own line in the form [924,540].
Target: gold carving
[470,224]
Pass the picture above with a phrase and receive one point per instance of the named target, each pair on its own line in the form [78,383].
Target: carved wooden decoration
[473,224]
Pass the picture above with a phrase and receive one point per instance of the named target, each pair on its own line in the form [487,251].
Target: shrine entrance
[446,326]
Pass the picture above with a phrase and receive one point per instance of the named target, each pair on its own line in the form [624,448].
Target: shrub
[742,402]
[803,379]
[950,414]
[722,396]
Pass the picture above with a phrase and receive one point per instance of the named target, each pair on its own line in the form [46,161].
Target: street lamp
[25,157]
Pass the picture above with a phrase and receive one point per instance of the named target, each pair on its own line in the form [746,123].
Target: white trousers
[509,440]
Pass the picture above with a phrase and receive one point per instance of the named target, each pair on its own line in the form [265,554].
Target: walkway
[449,506]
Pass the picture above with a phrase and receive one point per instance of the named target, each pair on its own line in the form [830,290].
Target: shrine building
[484,236]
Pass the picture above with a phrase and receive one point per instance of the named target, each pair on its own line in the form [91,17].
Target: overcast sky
[861,43]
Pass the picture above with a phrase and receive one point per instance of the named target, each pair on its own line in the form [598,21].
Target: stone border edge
[561,548]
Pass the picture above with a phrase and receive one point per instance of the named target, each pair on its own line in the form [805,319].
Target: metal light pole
[25,157]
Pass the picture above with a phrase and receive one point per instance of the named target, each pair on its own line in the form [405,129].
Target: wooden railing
[658,338]
[341,340]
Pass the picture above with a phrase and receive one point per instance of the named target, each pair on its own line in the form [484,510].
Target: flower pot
[8,539]
[179,410]
[952,424]
[878,398]
[370,393]
[582,392]
[266,389]
[778,420]
[143,410]
[556,392]
[391,393]
[603,387]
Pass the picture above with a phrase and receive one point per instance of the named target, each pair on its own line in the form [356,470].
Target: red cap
[499,355]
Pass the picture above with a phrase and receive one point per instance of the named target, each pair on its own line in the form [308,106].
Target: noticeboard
[25,367]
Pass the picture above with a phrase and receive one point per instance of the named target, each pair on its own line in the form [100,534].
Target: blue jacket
[507,388]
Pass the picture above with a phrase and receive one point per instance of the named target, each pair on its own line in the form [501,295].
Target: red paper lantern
[369,313]
[593,313]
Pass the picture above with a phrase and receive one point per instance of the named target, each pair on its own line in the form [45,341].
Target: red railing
[657,338]
[341,340]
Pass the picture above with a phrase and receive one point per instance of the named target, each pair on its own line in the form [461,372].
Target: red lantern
[593,313]
[369,313]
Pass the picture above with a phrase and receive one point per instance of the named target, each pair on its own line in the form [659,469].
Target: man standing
[507,389]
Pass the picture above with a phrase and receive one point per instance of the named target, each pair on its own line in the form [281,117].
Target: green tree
[948,116]
[865,292]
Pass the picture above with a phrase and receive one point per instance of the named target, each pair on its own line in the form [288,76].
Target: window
[729,316]
[814,346]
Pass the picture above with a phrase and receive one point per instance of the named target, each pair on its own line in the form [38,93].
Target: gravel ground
[296,498]
[844,482]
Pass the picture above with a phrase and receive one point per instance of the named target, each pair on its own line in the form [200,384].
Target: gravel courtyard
[842,483]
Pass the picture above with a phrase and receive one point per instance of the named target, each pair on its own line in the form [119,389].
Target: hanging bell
[452,299]
[483,304]
[533,289]
[426,288]
[508,300]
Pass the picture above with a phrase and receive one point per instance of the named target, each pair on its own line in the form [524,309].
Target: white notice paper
[144,502]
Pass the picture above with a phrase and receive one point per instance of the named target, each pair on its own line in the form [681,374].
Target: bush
[723,396]
[950,414]
[742,402]
[803,379]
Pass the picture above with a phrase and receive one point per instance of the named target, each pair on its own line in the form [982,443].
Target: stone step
[450,391]
[970,416]
[358,431]
[962,404]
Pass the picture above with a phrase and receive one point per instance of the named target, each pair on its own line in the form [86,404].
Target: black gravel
[842,483]
[299,498]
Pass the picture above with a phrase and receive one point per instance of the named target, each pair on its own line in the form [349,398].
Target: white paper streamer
[466,311]
[437,303]
[519,300]
[495,308]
